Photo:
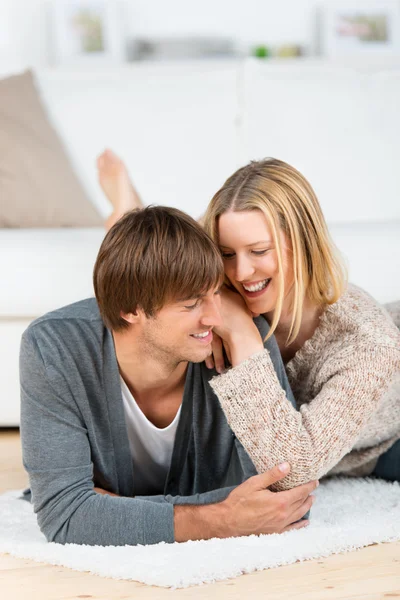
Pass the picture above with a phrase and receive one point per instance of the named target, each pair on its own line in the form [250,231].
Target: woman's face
[251,261]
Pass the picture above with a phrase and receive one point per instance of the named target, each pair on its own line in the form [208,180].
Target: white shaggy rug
[348,514]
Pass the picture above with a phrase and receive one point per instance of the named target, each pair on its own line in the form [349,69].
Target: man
[123,439]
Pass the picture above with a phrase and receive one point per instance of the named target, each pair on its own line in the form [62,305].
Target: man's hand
[104,492]
[249,509]
[238,333]
[252,508]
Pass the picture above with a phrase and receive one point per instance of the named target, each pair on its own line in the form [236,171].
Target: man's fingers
[264,480]
[299,503]
[298,525]
[302,510]
[298,494]
[103,492]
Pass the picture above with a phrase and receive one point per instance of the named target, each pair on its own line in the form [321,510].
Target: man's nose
[212,314]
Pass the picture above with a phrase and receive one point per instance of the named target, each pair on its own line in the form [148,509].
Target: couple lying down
[172,407]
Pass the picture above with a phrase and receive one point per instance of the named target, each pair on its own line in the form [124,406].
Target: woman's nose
[243,269]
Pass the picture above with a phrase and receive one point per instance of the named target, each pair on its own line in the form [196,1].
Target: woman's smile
[256,289]
[251,259]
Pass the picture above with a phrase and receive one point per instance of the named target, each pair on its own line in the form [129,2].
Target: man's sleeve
[211,497]
[57,457]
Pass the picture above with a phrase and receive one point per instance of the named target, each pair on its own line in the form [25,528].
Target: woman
[340,348]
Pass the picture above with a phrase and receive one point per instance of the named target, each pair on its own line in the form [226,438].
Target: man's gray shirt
[74,436]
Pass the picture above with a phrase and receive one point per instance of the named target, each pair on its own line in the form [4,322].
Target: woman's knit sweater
[346,381]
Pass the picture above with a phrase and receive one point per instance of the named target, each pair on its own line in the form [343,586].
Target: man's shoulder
[80,316]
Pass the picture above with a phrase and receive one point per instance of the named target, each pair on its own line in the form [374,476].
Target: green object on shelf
[261,51]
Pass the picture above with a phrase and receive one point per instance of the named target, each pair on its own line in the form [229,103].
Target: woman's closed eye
[260,252]
[229,255]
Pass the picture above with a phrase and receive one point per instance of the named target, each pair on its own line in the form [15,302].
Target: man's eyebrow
[195,297]
[199,296]
[248,245]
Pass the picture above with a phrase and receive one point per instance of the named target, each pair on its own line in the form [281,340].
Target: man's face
[182,331]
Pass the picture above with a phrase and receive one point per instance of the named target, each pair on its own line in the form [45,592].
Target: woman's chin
[260,308]
[257,306]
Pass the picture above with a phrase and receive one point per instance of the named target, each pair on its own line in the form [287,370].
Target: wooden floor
[371,573]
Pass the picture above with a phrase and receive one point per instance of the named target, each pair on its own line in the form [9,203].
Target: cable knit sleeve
[316,437]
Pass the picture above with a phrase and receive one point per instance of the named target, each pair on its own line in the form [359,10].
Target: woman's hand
[216,358]
[238,333]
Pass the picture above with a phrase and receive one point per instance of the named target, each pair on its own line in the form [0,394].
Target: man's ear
[133,317]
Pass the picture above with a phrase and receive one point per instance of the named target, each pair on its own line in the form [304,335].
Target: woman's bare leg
[115,183]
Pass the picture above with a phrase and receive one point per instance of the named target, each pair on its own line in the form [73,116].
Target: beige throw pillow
[38,187]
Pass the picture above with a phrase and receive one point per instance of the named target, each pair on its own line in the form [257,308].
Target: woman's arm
[393,309]
[316,437]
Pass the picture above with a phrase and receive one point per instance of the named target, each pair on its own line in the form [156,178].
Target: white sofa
[182,129]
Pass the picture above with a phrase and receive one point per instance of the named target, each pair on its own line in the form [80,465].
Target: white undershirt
[151,447]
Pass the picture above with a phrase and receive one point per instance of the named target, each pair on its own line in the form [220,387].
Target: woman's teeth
[257,287]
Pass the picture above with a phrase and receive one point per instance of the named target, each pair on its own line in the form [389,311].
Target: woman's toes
[111,157]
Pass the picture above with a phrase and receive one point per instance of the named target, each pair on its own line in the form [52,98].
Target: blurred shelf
[360,64]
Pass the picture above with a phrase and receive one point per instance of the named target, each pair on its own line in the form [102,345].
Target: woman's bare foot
[115,183]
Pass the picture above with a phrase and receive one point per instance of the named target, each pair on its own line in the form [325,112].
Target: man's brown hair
[150,257]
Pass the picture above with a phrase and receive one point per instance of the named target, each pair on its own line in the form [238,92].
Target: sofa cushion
[38,187]
[43,269]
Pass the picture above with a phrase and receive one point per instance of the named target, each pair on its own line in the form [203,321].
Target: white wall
[23,33]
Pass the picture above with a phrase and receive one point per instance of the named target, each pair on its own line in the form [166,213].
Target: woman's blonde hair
[289,204]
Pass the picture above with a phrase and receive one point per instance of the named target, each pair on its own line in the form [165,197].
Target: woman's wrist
[242,348]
